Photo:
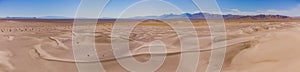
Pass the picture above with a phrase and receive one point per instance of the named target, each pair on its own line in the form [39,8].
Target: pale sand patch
[5,64]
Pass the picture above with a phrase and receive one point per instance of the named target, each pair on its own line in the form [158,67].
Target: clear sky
[67,8]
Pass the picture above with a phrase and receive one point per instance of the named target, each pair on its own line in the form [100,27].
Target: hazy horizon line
[66,17]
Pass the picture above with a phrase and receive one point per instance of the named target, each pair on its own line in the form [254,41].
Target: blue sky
[67,8]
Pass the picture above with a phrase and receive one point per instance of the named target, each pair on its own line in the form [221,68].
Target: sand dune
[47,47]
[279,51]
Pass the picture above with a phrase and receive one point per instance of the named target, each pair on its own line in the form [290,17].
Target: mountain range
[199,15]
[228,16]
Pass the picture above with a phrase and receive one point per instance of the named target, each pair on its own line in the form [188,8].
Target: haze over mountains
[42,17]
[228,16]
[199,15]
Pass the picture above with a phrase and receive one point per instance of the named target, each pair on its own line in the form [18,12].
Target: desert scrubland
[252,46]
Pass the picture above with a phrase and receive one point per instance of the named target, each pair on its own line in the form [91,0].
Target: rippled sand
[46,46]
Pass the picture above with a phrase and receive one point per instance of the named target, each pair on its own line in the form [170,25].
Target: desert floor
[46,46]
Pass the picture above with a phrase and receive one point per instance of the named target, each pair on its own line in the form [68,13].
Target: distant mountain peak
[201,15]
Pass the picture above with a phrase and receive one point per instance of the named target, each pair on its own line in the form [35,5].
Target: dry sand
[45,46]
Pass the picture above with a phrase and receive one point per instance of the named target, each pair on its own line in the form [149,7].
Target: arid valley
[41,45]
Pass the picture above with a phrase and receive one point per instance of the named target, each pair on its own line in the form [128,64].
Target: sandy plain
[46,46]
